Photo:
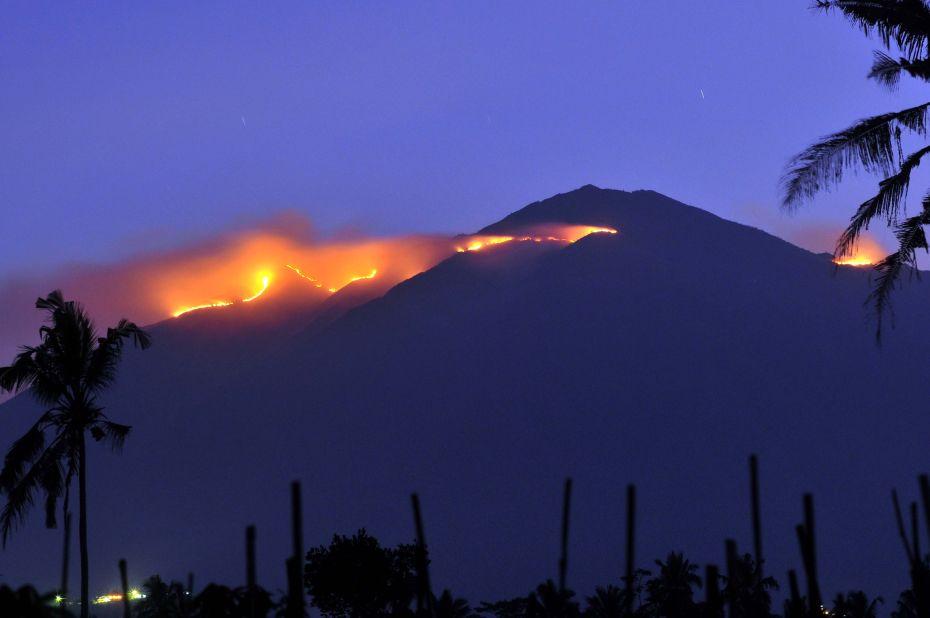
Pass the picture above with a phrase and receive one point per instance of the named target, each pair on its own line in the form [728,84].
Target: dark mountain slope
[662,355]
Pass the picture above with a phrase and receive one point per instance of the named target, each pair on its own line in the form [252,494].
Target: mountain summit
[662,355]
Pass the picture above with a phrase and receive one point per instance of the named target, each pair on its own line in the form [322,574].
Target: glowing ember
[305,276]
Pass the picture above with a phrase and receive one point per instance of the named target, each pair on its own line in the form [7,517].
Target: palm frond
[911,237]
[20,455]
[53,302]
[21,496]
[887,203]
[906,23]
[113,434]
[101,370]
[21,373]
[873,144]
[52,481]
[887,71]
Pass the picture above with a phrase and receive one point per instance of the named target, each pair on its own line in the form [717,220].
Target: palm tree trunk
[82,525]
[65,554]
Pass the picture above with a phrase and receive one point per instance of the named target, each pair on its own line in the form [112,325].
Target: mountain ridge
[662,355]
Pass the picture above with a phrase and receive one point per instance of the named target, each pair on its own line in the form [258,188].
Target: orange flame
[223,303]
[225,273]
[568,234]
[866,253]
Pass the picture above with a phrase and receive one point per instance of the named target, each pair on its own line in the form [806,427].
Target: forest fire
[566,234]
[866,253]
[333,266]
[277,265]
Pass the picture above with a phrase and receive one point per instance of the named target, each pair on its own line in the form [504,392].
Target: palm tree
[875,144]
[548,601]
[162,600]
[670,593]
[607,602]
[447,606]
[747,591]
[65,373]
[855,605]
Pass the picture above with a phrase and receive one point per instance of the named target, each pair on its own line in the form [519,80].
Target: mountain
[662,355]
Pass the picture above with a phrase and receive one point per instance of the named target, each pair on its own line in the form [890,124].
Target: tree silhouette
[669,594]
[512,608]
[27,603]
[162,600]
[357,578]
[548,601]
[607,602]
[906,606]
[65,373]
[216,601]
[747,591]
[447,606]
[855,605]
[875,144]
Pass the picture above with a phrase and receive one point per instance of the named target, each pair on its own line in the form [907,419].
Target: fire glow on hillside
[566,234]
[866,253]
[263,257]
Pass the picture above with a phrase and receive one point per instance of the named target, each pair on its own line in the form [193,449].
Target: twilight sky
[131,128]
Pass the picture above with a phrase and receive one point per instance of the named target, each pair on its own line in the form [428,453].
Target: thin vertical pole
[795,591]
[566,510]
[732,559]
[66,554]
[630,537]
[250,567]
[425,594]
[712,575]
[295,583]
[756,516]
[812,580]
[925,498]
[124,580]
[915,534]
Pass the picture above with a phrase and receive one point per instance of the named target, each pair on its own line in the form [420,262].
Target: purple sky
[128,128]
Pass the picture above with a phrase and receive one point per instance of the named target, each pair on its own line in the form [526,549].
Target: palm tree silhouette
[548,601]
[65,373]
[447,606]
[874,144]
[162,600]
[607,602]
[670,593]
[747,591]
[855,605]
